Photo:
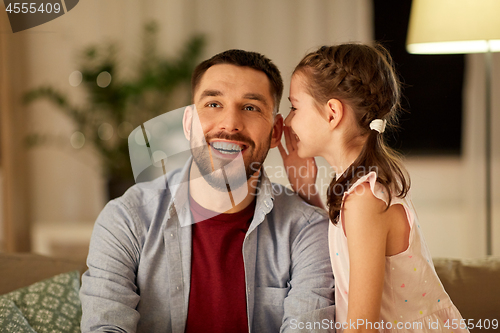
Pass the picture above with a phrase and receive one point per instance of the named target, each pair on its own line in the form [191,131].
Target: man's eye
[250,108]
[213,105]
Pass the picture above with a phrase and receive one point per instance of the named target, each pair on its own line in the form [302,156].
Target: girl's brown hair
[363,77]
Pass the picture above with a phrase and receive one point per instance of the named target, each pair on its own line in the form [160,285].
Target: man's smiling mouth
[227,148]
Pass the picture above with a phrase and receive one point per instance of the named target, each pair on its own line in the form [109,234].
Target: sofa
[473,284]
[474,287]
[39,294]
[19,270]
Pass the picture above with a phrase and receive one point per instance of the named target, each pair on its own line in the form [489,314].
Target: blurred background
[109,65]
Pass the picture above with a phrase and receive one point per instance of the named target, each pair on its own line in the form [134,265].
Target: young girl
[342,98]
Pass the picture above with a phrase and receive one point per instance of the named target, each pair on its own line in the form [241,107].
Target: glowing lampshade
[454,26]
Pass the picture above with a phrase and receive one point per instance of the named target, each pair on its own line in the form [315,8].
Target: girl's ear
[335,112]
[277,130]
[187,121]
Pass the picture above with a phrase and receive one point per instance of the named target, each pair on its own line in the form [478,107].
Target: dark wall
[432,87]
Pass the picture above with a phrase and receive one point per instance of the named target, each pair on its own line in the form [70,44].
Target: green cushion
[50,305]
[12,319]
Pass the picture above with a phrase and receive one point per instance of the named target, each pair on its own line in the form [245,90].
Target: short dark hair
[245,59]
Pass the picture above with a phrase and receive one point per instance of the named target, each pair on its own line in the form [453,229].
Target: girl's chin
[302,153]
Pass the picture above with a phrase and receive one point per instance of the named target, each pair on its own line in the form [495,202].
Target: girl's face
[309,125]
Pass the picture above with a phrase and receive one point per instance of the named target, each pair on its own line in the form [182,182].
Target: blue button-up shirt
[140,262]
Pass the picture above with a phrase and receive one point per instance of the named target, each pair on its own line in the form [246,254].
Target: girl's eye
[292,109]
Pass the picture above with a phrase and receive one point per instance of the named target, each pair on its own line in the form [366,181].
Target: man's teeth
[226,147]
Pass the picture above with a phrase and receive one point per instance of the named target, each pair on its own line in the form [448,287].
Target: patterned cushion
[50,305]
[12,319]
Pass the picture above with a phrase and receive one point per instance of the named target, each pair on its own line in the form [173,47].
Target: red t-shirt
[217,300]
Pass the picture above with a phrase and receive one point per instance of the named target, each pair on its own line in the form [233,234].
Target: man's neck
[220,201]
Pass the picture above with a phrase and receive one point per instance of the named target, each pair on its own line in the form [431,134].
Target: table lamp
[454,27]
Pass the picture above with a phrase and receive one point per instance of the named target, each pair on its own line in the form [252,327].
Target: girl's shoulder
[367,197]
[364,198]
[366,189]
[365,210]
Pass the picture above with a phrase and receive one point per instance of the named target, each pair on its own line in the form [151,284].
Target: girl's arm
[367,228]
[301,172]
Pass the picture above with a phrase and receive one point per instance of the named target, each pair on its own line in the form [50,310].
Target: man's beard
[228,174]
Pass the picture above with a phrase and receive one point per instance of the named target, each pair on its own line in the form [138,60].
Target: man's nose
[231,120]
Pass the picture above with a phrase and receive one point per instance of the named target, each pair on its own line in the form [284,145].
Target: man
[220,248]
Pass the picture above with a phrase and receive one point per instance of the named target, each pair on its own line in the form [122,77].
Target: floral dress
[413,298]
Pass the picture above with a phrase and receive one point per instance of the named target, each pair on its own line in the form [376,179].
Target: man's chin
[224,182]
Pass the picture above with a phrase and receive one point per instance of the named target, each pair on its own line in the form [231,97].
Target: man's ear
[335,112]
[187,121]
[277,130]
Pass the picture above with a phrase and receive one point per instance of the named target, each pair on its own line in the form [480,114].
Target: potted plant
[115,106]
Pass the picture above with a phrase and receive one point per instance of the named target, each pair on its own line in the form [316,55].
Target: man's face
[235,109]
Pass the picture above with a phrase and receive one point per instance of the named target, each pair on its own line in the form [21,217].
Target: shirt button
[178,288]
[171,235]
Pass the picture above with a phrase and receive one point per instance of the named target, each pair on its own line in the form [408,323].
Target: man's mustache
[231,137]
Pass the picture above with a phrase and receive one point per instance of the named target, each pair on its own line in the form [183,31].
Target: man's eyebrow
[211,93]
[252,96]
[256,97]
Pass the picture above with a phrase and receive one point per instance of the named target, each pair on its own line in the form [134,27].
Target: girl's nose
[288,119]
